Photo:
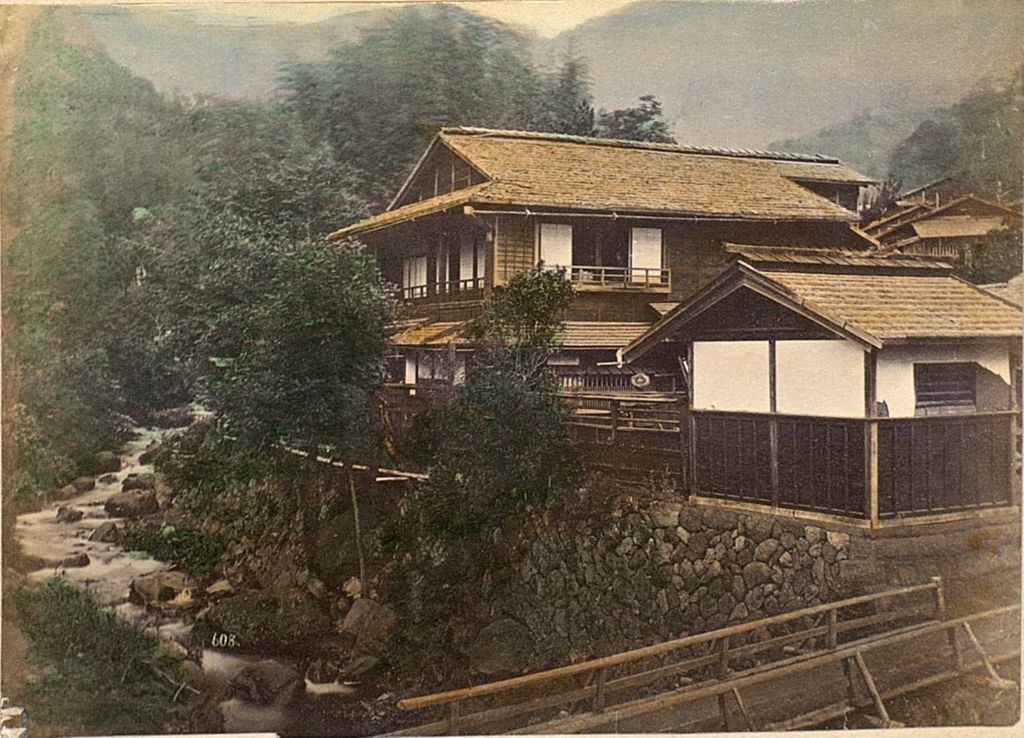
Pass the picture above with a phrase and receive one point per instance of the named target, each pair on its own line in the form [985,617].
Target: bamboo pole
[355,519]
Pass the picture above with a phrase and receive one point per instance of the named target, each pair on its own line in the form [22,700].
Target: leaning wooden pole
[355,519]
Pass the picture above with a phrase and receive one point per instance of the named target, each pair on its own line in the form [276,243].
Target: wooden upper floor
[631,223]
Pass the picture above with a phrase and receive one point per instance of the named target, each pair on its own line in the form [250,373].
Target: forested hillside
[976,140]
[144,223]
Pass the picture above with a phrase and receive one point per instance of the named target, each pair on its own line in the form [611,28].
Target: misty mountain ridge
[728,74]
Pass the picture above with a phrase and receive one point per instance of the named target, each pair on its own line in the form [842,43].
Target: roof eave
[744,275]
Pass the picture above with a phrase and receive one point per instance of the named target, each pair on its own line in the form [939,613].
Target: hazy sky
[545,17]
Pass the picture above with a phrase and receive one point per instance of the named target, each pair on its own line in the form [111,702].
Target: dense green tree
[380,99]
[570,102]
[498,453]
[643,122]
[996,260]
[91,147]
[977,140]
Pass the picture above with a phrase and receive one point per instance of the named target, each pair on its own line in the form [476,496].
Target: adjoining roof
[767,256]
[552,171]
[601,334]
[661,308]
[869,309]
[576,334]
[1011,291]
[957,226]
[412,211]
[440,333]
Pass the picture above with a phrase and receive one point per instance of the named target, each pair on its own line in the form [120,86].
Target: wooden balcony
[459,289]
[620,278]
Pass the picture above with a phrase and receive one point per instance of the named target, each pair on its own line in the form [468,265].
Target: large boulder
[104,462]
[139,481]
[84,484]
[69,515]
[75,561]
[368,622]
[267,682]
[132,504]
[502,647]
[104,532]
[162,589]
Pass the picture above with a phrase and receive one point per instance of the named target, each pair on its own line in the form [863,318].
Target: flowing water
[109,575]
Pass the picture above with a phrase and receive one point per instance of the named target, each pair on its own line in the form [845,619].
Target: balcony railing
[454,287]
[619,277]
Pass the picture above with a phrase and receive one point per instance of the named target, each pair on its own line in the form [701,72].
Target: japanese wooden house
[876,387]
[638,227]
[951,229]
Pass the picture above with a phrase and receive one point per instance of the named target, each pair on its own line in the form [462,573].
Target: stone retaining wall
[641,572]
[650,572]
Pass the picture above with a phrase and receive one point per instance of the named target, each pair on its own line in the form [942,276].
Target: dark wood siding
[513,247]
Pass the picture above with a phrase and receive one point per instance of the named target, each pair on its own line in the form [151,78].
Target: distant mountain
[745,73]
[180,54]
[738,74]
[865,142]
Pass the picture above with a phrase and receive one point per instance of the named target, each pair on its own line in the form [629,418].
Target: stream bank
[242,690]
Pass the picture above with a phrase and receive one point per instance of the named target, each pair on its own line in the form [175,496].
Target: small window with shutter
[945,388]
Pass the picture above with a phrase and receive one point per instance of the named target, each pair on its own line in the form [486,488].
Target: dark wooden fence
[927,465]
[636,437]
[944,463]
[816,463]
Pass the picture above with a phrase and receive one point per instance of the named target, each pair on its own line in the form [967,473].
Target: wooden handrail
[759,674]
[416,703]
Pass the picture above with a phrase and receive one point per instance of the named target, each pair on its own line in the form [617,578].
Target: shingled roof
[576,334]
[558,172]
[868,308]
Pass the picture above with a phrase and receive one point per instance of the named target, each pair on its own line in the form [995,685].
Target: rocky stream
[74,538]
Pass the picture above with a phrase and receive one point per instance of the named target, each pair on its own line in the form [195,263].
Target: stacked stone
[664,570]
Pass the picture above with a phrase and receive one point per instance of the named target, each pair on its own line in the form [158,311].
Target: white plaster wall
[819,378]
[896,369]
[731,375]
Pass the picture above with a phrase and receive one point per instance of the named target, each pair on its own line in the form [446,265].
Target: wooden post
[743,709]
[599,695]
[773,423]
[615,417]
[833,631]
[940,614]
[355,520]
[454,713]
[869,682]
[870,439]
[723,673]
[997,679]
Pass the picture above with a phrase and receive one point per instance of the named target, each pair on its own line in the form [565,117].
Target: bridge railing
[600,683]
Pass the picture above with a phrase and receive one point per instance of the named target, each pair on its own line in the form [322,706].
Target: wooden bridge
[793,670]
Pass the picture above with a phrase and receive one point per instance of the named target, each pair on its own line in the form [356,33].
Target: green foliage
[257,162]
[283,338]
[976,141]
[196,551]
[996,260]
[91,144]
[265,623]
[380,99]
[497,454]
[97,675]
[640,123]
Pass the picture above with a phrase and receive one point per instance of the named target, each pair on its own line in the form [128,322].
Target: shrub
[196,551]
[268,623]
[97,674]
